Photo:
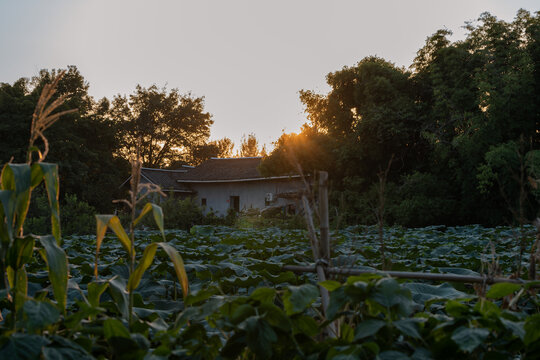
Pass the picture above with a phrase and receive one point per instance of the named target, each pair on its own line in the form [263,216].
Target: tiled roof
[165,178]
[231,169]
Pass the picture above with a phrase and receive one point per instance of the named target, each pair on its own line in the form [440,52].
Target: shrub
[76,216]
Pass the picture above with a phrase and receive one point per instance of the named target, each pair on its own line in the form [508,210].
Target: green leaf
[114,328]
[17,178]
[57,265]
[95,290]
[158,216]
[532,329]
[52,184]
[117,289]
[304,324]
[260,336]
[39,314]
[500,290]
[297,298]
[422,292]
[20,252]
[468,339]
[144,263]
[264,295]
[21,288]
[330,285]
[7,197]
[178,264]
[23,347]
[102,223]
[368,328]
[408,327]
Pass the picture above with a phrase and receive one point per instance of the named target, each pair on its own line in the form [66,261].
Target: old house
[231,183]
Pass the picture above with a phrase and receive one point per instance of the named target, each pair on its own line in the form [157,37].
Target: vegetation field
[241,305]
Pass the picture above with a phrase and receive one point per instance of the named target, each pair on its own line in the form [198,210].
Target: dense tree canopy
[81,143]
[442,122]
[167,126]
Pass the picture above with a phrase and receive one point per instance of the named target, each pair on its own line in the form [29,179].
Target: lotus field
[242,305]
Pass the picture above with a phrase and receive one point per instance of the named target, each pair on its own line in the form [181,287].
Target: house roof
[227,169]
[166,178]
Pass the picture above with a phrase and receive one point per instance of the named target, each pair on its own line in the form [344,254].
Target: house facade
[232,183]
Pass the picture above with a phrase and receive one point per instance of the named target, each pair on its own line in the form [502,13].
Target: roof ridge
[237,158]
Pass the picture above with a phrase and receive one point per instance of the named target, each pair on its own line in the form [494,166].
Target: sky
[248,58]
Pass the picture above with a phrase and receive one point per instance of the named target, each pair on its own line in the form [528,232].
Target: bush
[77,217]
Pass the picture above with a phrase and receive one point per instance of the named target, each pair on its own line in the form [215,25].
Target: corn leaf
[109,221]
[17,178]
[50,175]
[21,288]
[57,265]
[144,263]
[178,266]
[20,252]
[158,216]
[95,289]
[6,212]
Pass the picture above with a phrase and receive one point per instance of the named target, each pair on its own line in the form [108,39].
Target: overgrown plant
[137,194]
[17,181]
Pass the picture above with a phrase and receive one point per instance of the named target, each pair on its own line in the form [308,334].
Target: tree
[82,143]
[168,126]
[249,146]
[220,148]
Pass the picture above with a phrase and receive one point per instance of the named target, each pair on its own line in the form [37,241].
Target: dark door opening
[234,203]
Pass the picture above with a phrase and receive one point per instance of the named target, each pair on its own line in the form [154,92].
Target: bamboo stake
[323,214]
[415,275]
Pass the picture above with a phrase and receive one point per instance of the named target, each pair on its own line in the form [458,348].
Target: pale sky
[247,58]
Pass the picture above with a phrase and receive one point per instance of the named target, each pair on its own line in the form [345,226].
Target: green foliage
[77,217]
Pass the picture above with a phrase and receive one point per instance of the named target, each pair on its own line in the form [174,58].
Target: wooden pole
[323,214]
[414,275]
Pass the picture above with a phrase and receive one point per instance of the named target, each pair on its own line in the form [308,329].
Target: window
[234,203]
[203,202]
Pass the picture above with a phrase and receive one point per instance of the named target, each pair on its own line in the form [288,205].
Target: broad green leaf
[393,355]
[516,327]
[178,264]
[330,285]
[305,324]
[57,265]
[468,339]
[158,216]
[39,314]
[264,295]
[260,336]
[95,290]
[23,347]
[368,328]
[297,298]
[144,263]
[500,290]
[114,328]
[422,292]
[532,329]
[102,223]
[408,327]
[50,175]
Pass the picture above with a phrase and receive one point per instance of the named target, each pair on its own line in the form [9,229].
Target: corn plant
[17,181]
[137,194]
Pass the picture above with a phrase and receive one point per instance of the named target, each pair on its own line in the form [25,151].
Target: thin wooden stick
[323,213]
[414,275]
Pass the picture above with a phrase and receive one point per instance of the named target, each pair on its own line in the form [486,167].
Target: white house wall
[252,194]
